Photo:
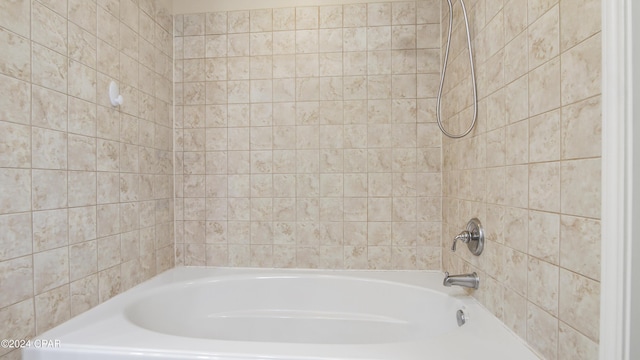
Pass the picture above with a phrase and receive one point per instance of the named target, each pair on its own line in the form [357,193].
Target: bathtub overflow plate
[460,317]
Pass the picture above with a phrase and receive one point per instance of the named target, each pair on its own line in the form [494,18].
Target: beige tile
[516,56]
[216,23]
[49,69]
[542,332]
[354,40]
[15,63]
[48,28]
[580,187]
[427,184]
[515,18]
[516,143]
[50,269]
[261,43]
[129,40]
[580,245]
[83,13]
[496,147]
[544,38]
[379,87]
[355,15]
[49,149]
[49,109]
[543,284]
[379,38]
[108,188]
[330,40]
[261,65]
[216,255]
[50,229]
[516,100]
[428,36]
[515,272]
[238,21]
[16,16]
[81,152]
[379,14]
[581,70]
[582,129]
[426,12]
[544,235]
[515,313]
[18,238]
[261,20]
[108,252]
[82,224]
[215,46]
[575,29]
[194,24]
[403,37]
[194,254]
[544,137]
[536,8]
[15,101]
[403,13]
[49,189]
[17,274]
[109,283]
[20,323]
[495,32]
[284,44]
[517,183]
[379,233]
[379,257]
[52,308]
[108,28]
[15,150]
[579,296]
[284,19]
[573,345]
[108,122]
[108,220]
[330,16]
[544,87]
[545,186]
[307,17]
[406,184]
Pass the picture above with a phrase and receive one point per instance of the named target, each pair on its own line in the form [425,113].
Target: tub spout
[465,280]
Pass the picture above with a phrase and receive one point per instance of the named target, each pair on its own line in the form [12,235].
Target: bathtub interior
[297,309]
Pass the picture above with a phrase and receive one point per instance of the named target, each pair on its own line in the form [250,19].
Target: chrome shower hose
[444,72]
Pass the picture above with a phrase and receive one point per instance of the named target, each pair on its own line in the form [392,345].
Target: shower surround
[305,137]
[86,207]
[531,167]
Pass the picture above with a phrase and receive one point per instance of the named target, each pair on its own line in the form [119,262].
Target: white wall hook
[114,94]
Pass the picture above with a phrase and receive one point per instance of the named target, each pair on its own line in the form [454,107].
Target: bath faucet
[465,280]
[473,236]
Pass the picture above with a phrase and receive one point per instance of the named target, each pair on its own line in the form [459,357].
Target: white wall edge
[616,234]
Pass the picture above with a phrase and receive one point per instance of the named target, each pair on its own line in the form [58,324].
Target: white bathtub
[248,314]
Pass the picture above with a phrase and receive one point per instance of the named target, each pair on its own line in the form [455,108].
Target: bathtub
[250,314]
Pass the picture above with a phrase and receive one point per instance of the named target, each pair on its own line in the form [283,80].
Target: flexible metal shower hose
[444,72]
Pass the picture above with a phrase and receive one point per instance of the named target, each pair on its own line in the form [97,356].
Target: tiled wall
[531,168]
[86,207]
[305,137]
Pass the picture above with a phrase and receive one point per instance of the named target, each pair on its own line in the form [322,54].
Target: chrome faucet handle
[473,236]
[464,236]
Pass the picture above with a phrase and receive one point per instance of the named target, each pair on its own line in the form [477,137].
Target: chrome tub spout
[465,280]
